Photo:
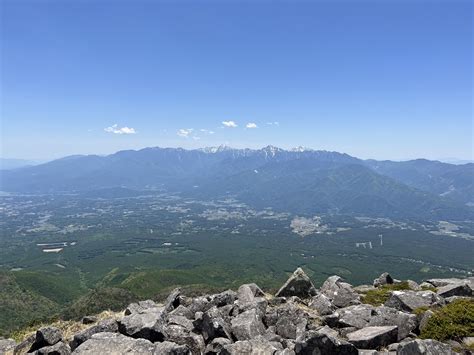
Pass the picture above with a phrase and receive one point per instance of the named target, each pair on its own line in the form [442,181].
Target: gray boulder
[384,279]
[216,346]
[140,307]
[46,336]
[408,301]
[7,345]
[59,348]
[414,285]
[172,301]
[363,288]
[170,348]
[373,337]
[214,325]
[443,282]
[114,343]
[224,298]
[247,325]
[322,304]
[314,342]
[25,345]
[456,289]
[291,321]
[182,311]
[254,346]
[299,284]
[425,317]
[340,293]
[110,326]
[147,325]
[424,347]
[182,336]
[385,316]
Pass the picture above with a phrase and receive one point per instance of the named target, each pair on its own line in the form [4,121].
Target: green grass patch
[381,294]
[454,321]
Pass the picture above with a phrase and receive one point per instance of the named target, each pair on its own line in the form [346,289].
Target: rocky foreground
[299,319]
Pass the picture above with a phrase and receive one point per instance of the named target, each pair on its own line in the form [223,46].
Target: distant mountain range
[298,180]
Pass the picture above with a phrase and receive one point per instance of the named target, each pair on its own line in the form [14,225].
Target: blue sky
[375,79]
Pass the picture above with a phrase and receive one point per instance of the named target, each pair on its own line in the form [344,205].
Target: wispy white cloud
[273,123]
[185,132]
[230,124]
[251,125]
[207,131]
[120,130]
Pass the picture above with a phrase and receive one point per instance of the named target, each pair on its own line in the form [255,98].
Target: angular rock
[443,282]
[291,321]
[182,336]
[373,337]
[385,316]
[110,326]
[408,301]
[214,325]
[181,321]
[170,348]
[59,348]
[299,284]
[182,311]
[314,342]
[423,347]
[357,316]
[216,346]
[147,325]
[322,304]
[7,345]
[414,285]
[384,279]
[114,343]
[172,301]
[89,319]
[247,325]
[455,289]
[24,346]
[140,307]
[340,293]
[258,346]
[224,298]
[46,336]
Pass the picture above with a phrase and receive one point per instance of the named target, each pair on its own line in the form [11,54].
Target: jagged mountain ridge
[320,181]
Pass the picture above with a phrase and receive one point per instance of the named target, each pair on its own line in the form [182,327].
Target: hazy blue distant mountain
[447,180]
[299,180]
[7,164]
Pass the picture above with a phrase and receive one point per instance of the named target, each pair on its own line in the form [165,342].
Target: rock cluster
[299,319]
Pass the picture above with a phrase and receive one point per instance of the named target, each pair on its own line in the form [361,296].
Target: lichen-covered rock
[170,348]
[140,307]
[424,347]
[147,325]
[247,325]
[114,343]
[340,293]
[7,345]
[46,336]
[109,326]
[214,325]
[384,279]
[216,346]
[322,304]
[314,342]
[258,346]
[299,284]
[373,337]
[455,289]
[59,348]
[408,301]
